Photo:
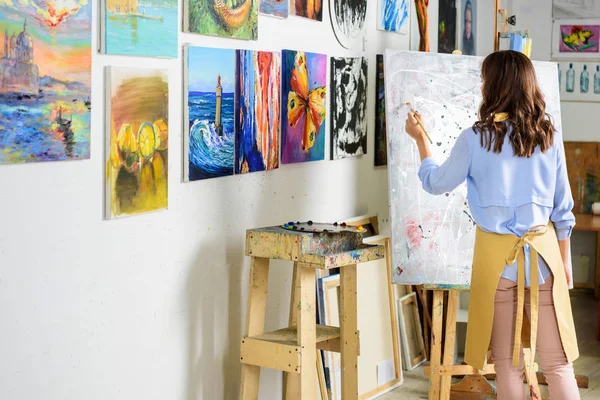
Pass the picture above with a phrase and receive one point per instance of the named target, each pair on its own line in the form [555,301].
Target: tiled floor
[585,309]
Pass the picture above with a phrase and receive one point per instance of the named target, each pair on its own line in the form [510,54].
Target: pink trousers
[509,380]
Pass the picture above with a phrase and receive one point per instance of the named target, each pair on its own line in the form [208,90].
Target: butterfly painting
[579,38]
[304,99]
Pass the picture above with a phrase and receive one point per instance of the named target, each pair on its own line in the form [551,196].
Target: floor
[585,309]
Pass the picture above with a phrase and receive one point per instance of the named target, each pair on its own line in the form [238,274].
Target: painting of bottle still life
[209,84]
[45,79]
[140,28]
[304,89]
[575,39]
[137,141]
[226,18]
[579,81]
[257,111]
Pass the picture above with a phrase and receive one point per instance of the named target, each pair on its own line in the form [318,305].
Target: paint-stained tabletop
[323,249]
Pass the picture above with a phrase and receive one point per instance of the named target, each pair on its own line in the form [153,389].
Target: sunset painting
[45,78]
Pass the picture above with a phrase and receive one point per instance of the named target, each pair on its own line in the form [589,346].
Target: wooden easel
[441,371]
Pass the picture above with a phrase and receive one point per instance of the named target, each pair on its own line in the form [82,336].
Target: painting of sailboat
[45,77]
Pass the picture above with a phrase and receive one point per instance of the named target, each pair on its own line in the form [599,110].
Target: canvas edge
[107,118]
[185,128]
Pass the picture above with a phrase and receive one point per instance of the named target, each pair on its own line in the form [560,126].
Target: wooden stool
[294,349]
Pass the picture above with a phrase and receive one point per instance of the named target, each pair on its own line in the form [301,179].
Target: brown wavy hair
[510,86]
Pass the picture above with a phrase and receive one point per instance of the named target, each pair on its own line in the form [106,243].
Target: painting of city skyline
[137,141]
[45,79]
[209,88]
[140,28]
[257,111]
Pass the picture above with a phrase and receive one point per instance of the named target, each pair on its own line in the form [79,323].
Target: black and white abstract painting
[348,21]
[348,107]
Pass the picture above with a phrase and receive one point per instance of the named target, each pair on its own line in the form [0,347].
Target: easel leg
[450,339]
[393,313]
[349,332]
[291,381]
[436,343]
[307,332]
[255,322]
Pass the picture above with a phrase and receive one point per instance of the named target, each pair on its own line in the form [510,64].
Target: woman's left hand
[413,128]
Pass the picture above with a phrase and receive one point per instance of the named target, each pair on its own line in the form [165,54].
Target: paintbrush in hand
[412,110]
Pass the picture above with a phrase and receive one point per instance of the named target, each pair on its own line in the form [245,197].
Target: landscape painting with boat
[45,77]
[141,28]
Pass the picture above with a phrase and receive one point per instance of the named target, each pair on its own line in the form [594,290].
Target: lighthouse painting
[209,147]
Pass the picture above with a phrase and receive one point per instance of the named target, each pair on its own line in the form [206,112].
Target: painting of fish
[137,141]
[45,80]
[304,86]
[257,111]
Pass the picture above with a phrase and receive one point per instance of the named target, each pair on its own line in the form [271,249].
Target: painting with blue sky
[210,101]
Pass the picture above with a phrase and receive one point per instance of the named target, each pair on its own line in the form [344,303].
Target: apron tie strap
[518,254]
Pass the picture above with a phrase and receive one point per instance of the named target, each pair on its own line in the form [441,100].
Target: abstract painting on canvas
[348,21]
[304,87]
[348,107]
[137,141]
[45,80]
[433,236]
[394,16]
[311,9]
[380,135]
[257,111]
[220,18]
[209,92]
[274,8]
[135,28]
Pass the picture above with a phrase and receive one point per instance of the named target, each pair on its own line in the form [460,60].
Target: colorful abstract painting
[209,142]
[45,80]
[419,37]
[394,16]
[233,19]
[257,111]
[433,236]
[136,28]
[447,26]
[274,8]
[311,9]
[304,87]
[348,107]
[579,38]
[380,135]
[348,21]
[583,168]
[137,141]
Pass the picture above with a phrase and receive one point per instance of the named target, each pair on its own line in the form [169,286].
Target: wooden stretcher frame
[411,361]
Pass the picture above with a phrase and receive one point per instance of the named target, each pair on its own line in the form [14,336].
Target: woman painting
[514,163]
[468,41]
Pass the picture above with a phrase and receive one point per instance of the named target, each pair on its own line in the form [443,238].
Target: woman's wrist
[423,146]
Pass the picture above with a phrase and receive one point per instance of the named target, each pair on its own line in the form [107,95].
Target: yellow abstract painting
[137,141]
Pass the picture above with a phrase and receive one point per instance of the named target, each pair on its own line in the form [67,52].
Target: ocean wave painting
[210,93]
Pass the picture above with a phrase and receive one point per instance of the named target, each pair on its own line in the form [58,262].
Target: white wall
[153,306]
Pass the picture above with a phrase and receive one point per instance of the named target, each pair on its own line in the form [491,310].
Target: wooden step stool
[294,349]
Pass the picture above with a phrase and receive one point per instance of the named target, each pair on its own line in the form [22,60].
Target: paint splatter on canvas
[433,236]
[447,26]
[348,107]
[394,16]
[274,8]
[237,19]
[348,21]
[137,141]
[209,143]
[257,111]
[147,28]
[45,79]
[311,9]
[304,86]
[380,136]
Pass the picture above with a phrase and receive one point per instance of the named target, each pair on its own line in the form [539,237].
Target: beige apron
[492,253]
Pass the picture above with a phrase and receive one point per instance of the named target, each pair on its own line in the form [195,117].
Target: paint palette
[317,227]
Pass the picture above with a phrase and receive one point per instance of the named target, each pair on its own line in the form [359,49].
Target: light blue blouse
[507,194]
